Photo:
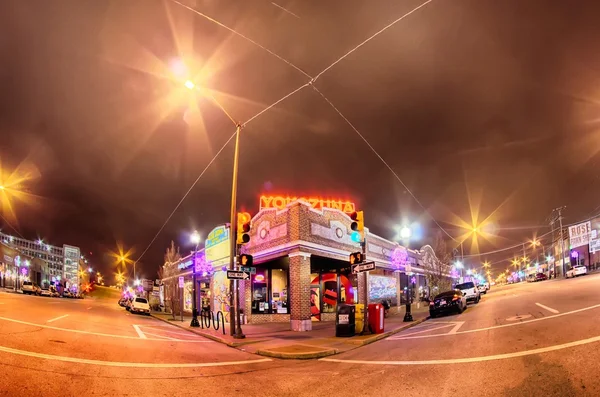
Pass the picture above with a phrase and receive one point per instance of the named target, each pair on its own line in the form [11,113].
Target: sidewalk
[277,340]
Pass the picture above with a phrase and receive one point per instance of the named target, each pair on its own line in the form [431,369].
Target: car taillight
[431,303]
[456,297]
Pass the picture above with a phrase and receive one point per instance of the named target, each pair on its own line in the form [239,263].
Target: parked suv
[30,288]
[470,290]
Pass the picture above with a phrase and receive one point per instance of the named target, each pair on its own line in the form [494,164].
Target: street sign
[251,270]
[363,267]
[180,281]
[234,275]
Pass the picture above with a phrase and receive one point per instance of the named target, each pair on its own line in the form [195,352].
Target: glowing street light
[136,282]
[405,232]
[195,238]
[90,269]
[189,84]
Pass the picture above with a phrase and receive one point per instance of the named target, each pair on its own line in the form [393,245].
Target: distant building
[62,262]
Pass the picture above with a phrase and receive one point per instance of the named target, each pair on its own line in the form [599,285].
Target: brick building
[302,270]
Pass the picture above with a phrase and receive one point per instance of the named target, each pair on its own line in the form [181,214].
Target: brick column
[299,291]
[361,288]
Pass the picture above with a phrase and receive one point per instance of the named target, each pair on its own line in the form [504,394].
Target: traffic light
[357,226]
[356,257]
[243,228]
[245,260]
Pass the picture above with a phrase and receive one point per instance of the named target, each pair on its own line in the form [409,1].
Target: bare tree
[169,268]
[436,264]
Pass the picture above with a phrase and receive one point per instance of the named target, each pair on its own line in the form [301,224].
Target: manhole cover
[517,318]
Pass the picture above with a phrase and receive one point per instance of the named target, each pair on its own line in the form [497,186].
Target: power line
[371,38]
[382,160]
[241,35]
[184,197]
[312,80]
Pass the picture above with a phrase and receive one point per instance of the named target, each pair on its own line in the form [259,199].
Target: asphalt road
[520,340]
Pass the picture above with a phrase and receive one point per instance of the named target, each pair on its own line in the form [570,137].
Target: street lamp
[405,233]
[179,69]
[195,239]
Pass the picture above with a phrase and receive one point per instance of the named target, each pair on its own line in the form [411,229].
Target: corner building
[302,269]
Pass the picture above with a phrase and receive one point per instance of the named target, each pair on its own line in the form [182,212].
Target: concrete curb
[298,356]
[206,334]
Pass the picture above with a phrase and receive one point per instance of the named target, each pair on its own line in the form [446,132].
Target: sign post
[181,285]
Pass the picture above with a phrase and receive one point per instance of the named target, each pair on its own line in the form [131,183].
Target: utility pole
[234,331]
[562,240]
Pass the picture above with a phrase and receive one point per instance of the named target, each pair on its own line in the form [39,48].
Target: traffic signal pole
[365,330]
[234,331]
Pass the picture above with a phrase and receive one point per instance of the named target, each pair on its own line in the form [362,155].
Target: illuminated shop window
[270,291]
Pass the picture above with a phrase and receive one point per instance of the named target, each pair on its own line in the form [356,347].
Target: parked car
[540,277]
[139,305]
[446,302]
[29,288]
[470,290]
[484,288]
[53,292]
[45,292]
[123,301]
[576,271]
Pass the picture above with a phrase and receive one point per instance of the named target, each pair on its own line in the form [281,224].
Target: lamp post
[234,312]
[195,239]
[235,329]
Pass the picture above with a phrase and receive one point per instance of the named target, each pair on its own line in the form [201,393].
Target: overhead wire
[310,82]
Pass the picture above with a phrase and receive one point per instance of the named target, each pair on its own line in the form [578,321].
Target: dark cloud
[498,98]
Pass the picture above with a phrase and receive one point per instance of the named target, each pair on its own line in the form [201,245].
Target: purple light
[575,254]
[413,280]
[202,266]
[24,271]
[399,258]
[224,268]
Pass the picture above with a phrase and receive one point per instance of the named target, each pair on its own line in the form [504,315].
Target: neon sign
[280,202]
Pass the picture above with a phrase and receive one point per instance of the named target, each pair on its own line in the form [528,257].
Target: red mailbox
[376,312]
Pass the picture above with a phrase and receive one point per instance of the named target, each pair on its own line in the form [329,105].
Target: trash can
[359,317]
[376,315]
[344,321]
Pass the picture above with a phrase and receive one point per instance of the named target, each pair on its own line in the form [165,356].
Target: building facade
[301,271]
[59,263]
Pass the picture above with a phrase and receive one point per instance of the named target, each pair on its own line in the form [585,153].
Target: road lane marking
[162,336]
[419,332]
[172,332]
[505,325]
[57,318]
[139,331]
[77,331]
[471,359]
[456,327]
[126,364]
[551,310]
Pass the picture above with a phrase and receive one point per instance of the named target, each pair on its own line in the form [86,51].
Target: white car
[577,271]
[45,292]
[470,290]
[484,288]
[29,288]
[139,305]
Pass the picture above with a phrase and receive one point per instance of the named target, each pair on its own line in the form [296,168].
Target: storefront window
[187,296]
[270,290]
[279,288]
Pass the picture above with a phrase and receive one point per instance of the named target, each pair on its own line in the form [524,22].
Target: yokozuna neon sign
[281,202]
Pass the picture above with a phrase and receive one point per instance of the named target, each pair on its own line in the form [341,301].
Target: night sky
[487,110]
